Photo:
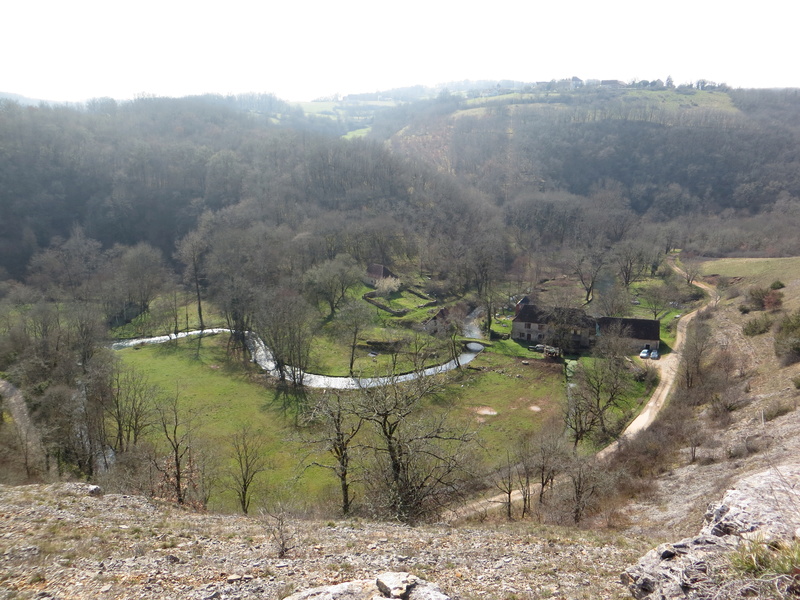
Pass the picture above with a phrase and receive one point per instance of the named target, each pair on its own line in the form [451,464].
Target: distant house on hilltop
[375,273]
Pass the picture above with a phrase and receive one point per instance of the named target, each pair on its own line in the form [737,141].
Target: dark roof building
[640,329]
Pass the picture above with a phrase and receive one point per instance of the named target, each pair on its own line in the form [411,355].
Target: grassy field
[221,396]
[744,273]
[501,396]
[509,398]
[758,271]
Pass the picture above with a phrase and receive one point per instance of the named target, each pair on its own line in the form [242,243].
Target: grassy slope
[761,272]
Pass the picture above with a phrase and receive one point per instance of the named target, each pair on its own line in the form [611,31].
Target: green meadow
[501,398]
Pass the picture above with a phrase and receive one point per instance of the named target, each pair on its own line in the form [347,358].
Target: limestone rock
[398,586]
[762,506]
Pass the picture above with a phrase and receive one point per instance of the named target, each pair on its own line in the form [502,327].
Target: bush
[773,300]
[777,285]
[707,313]
[764,298]
[787,339]
[757,326]
[777,408]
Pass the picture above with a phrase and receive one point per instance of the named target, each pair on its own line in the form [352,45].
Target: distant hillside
[668,151]
[20,99]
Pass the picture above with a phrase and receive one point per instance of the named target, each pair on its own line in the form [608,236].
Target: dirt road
[668,369]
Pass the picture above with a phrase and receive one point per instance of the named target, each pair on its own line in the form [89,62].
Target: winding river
[263,358]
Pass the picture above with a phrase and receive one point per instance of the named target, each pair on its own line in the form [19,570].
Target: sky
[74,50]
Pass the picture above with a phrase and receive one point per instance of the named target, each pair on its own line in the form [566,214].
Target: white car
[644,353]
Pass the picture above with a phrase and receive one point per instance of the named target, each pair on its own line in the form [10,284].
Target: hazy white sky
[72,50]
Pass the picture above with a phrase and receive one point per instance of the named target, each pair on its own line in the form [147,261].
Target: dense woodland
[269,215]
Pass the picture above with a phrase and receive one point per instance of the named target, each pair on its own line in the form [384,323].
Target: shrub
[744,309]
[787,339]
[777,285]
[777,408]
[796,382]
[773,300]
[755,297]
[757,326]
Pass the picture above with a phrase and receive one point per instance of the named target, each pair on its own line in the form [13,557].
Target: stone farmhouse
[566,328]
[572,329]
[375,273]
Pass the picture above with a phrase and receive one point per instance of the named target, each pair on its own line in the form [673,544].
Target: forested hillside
[146,170]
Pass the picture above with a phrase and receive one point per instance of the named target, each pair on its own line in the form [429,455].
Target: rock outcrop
[764,507]
[397,586]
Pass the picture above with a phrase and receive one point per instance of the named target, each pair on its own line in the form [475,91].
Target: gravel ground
[57,541]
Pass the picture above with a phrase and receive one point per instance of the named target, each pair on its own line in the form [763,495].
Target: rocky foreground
[759,511]
[58,541]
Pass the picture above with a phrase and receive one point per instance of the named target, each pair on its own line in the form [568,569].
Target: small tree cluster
[769,299]
[413,456]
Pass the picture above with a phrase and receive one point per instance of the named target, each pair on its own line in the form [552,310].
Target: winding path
[264,359]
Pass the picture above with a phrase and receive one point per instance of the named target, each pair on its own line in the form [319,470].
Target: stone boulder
[765,506]
[398,586]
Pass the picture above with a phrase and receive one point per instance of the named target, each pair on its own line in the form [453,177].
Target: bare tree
[130,407]
[602,385]
[191,251]
[177,426]
[505,482]
[586,264]
[420,455]
[247,447]
[283,322]
[657,298]
[451,331]
[695,347]
[330,280]
[613,302]
[280,529]
[630,261]
[585,483]
[546,454]
[336,422]
[142,272]
[352,320]
[691,270]
[580,418]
